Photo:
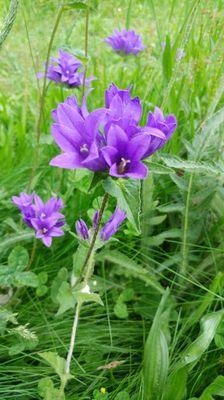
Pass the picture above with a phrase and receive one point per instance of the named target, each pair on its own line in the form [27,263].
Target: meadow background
[181,207]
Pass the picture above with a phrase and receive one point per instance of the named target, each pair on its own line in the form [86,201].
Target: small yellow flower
[103,390]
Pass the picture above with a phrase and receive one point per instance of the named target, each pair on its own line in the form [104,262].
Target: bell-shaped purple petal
[82,229]
[112,225]
[123,155]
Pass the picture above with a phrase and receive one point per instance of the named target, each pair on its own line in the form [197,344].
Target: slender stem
[42,99]
[102,208]
[86,48]
[85,281]
[72,340]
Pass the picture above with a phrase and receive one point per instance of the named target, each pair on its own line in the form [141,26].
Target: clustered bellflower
[125,42]
[110,138]
[66,69]
[108,230]
[44,218]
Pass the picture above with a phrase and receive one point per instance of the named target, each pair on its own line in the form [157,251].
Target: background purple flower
[45,218]
[127,42]
[66,69]
[112,225]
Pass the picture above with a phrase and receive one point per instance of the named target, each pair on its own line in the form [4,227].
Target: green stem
[102,208]
[88,268]
[42,99]
[86,48]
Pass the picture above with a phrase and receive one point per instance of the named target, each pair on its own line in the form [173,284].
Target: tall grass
[181,201]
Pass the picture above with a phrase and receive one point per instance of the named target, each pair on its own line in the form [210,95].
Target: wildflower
[66,69]
[158,124]
[78,138]
[112,225]
[123,155]
[25,204]
[82,229]
[111,137]
[44,218]
[122,109]
[126,42]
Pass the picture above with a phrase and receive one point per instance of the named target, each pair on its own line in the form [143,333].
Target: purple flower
[82,229]
[109,138]
[157,124]
[45,218]
[126,42]
[122,109]
[112,225]
[79,138]
[123,155]
[66,70]
[25,204]
[72,102]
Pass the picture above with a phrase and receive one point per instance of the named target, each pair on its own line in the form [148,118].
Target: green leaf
[65,298]
[18,258]
[127,295]
[47,391]
[16,349]
[122,396]
[131,268]
[42,278]
[57,363]
[10,241]
[41,290]
[216,388]
[77,5]
[127,193]
[61,277]
[89,297]
[121,310]
[192,354]
[25,279]
[156,355]
[78,260]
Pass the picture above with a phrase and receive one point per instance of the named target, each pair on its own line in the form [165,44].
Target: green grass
[183,251]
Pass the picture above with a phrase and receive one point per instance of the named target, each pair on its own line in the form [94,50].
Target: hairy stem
[42,99]
[72,340]
[87,263]
[102,208]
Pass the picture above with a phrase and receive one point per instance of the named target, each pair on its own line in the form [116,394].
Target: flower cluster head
[110,138]
[66,69]
[125,42]
[108,230]
[44,218]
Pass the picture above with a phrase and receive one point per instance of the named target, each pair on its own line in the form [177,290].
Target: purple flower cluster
[109,138]
[66,69]
[108,230]
[125,42]
[44,218]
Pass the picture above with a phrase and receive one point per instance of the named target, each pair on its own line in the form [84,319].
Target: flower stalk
[88,269]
